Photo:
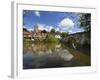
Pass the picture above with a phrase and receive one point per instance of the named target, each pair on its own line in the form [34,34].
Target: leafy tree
[51,38]
[64,34]
[58,32]
[24,29]
[71,40]
[52,31]
[85,21]
[44,31]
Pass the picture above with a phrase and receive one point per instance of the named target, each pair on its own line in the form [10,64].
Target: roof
[27,33]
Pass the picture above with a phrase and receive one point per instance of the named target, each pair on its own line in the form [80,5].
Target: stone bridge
[80,38]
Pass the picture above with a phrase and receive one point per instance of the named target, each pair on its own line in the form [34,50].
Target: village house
[39,35]
[58,36]
[27,34]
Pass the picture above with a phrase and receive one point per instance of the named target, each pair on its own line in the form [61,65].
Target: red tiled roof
[27,33]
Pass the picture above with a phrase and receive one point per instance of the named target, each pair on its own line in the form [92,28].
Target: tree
[58,32]
[51,39]
[85,21]
[64,34]
[52,31]
[24,29]
[44,31]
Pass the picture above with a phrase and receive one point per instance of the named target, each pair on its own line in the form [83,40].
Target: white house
[58,36]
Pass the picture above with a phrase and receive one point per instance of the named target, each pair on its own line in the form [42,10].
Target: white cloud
[75,31]
[49,28]
[71,31]
[41,26]
[44,27]
[80,30]
[31,29]
[24,26]
[66,23]
[57,29]
[37,13]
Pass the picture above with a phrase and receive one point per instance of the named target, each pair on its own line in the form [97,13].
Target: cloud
[30,29]
[75,31]
[37,13]
[24,26]
[57,29]
[44,27]
[49,28]
[66,23]
[71,31]
[41,26]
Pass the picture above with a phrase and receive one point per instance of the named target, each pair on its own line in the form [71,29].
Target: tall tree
[64,34]
[85,21]
[52,30]
[24,29]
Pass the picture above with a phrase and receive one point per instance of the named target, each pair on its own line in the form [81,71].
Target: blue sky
[60,21]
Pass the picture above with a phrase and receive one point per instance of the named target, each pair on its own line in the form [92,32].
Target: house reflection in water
[38,54]
[41,55]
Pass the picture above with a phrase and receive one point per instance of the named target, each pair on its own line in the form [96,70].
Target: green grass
[27,41]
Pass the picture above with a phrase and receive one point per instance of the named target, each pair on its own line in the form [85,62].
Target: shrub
[51,38]
[64,34]
[52,30]
[27,41]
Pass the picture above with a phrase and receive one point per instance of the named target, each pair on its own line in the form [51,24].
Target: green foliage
[51,38]
[64,34]
[50,45]
[85,21]
[27,41]
[58,32]
[52,31]
[24,29]
[70,41]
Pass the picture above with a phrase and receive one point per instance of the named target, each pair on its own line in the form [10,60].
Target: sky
[47,20]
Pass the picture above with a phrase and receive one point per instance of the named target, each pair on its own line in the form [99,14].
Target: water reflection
[47,55]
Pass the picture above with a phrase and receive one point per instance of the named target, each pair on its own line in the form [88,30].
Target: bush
[64,34]
[70,41]
[52,30]
[27,41]
[51,38]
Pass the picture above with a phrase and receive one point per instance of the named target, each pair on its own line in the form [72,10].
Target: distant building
[27,34]
[58,36]
[36,28]
[39,35]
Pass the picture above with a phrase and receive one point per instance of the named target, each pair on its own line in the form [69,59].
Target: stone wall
[80,38]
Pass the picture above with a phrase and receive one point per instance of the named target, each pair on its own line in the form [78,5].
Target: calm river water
[50,55]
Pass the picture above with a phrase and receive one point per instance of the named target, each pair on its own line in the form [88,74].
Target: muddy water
[51,55]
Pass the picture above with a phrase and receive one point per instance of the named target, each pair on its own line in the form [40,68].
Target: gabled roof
[27,33]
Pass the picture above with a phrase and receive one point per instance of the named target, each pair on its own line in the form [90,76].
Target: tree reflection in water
[47,55]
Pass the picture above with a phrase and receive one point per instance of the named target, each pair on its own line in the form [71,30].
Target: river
[52,55]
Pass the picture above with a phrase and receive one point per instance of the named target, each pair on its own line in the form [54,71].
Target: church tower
[36,28]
